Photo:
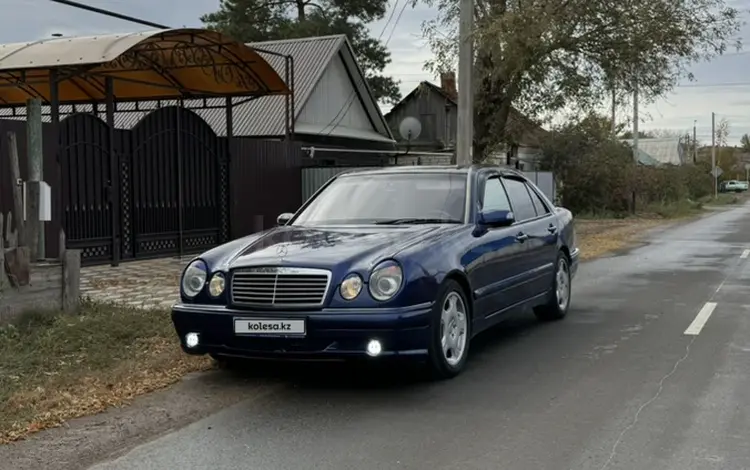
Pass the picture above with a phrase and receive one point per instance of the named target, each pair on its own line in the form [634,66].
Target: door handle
[522,237]
[552,229]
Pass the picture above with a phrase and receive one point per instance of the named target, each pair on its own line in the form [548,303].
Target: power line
[388,21]
[109,13]
[350,100]
[398,19]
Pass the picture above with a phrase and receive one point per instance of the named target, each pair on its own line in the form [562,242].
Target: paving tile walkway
[153,283]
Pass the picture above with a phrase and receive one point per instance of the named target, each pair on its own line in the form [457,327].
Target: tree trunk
[493,99]
[301,10]
[490,119]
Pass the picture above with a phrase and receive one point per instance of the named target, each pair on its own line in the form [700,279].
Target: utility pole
[713,154]
[635,132]
[465,118]
[614,108]
[695,143]
[635,121]
[34,156]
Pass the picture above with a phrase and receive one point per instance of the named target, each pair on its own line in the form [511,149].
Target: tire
[452,307]
[558,301]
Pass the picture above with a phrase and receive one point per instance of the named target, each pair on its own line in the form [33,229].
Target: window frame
[529,189]
[499,178]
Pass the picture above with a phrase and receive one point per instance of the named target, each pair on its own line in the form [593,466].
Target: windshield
[389,198]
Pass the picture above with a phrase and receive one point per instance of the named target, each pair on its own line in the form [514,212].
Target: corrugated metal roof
[263,116]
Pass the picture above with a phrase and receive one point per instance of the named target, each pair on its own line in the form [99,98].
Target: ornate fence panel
[176,196]
[86,186]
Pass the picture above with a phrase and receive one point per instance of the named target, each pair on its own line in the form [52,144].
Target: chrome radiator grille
[280,286]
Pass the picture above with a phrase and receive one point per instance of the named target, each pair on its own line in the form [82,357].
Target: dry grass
[57,367]
[598,237]
[601,236]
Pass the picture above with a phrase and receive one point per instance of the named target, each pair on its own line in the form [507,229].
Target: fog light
[191,340]
[374,348]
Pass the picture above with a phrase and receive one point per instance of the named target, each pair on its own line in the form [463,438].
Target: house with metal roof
[333,105]
[436,109]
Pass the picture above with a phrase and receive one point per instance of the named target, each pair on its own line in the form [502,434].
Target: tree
[265,20]
[726,157]
[542,57]
[722,133]
[594,168]
[745,142]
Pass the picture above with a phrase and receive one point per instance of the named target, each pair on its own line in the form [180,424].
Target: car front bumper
[330,333]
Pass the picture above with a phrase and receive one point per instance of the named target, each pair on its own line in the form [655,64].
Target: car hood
[328,247]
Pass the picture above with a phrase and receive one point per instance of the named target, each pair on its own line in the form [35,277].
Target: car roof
[411,169]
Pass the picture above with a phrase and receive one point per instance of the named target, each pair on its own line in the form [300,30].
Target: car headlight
[216,285]
[194,278]
[351,287]
[386,280]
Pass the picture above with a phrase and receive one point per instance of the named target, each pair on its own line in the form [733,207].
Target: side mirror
[496,219]
[284,218]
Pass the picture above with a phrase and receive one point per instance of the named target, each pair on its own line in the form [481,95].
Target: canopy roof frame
[150,61]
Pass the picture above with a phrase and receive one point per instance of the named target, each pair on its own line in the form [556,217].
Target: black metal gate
[86,192]
[175,192]
[173,186]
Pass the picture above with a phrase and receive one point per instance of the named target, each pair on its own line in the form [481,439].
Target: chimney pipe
[448,84]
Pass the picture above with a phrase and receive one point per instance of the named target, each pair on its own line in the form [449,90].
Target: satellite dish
[410,128]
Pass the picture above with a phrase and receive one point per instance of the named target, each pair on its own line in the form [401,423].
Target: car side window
[520,200]
[541,208]
[495,198]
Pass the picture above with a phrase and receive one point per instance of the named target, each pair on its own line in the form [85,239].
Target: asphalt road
[651,370]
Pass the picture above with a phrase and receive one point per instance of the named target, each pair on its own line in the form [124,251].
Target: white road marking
[745,254]
[700,320]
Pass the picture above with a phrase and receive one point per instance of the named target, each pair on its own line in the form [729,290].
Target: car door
[496,255]
[546,233]
[536,230]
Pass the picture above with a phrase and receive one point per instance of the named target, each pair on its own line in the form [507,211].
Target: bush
[598,175]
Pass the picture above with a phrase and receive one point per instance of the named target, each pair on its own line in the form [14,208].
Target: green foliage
[745,142]
[598,174]
[261,20]
[542,57]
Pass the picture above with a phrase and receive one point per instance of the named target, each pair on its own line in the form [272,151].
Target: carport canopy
[152,65]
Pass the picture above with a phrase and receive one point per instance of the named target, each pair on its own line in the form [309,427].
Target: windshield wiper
[416,220]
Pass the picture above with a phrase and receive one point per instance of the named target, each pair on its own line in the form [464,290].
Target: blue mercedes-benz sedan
[397,262]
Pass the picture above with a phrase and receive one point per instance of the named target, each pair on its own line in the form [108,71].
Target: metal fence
[545,181]
[314,178]
[175,187]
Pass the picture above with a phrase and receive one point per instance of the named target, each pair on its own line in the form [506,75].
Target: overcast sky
[722,86]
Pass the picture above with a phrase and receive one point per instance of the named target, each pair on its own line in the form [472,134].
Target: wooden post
[71,280]
[34,156]
[62,245]
[3,275]
[11,236]
[15,175]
